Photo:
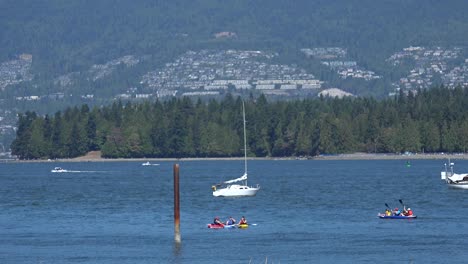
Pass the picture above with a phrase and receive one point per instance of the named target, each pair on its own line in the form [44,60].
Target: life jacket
[410,212]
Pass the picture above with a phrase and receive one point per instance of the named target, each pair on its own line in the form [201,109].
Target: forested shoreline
[432,120]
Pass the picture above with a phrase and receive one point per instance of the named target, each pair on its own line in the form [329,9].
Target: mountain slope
[65,36]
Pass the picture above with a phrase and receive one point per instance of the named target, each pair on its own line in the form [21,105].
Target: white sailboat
[228,188]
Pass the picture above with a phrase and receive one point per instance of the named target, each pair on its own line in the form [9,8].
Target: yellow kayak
[243,225]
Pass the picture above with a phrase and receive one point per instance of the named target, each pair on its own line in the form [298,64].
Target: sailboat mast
[245,142]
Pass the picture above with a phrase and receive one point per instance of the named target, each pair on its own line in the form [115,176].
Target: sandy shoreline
[95,156]
[371,156]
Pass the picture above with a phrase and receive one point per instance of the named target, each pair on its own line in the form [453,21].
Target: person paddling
[243,221]
[216,221]
[230,221]
[407,212]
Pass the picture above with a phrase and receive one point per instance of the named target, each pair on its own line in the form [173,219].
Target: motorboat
[58,169]
[228,188]
[454,180]
[149,164]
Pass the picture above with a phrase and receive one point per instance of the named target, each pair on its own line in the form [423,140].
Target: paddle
[404,207]
[401,202]
[388,206]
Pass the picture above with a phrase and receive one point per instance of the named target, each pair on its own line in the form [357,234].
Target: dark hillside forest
[432,120]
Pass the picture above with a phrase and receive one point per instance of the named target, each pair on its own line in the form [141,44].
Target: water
[306,212]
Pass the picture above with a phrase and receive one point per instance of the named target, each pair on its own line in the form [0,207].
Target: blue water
[306,212]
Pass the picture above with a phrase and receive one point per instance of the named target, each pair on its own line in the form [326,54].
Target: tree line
[432,120]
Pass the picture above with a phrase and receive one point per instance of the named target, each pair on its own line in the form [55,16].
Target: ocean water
[307,211]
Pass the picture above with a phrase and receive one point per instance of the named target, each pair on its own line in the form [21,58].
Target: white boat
[228,188]
[454,180]
[149,164]
[58,169]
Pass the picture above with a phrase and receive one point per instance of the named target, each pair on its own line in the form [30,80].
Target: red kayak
[215,226]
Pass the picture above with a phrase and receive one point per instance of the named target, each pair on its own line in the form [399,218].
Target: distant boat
[149,164]
[58,169]
[228,189]
[454,180]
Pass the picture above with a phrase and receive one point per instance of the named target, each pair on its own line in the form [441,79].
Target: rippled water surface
[306,212]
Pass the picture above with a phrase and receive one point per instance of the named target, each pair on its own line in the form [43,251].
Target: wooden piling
[176,205]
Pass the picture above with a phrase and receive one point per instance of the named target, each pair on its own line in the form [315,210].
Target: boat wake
[78,171]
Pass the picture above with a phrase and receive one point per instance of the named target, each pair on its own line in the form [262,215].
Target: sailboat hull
[461,185]
[236,191]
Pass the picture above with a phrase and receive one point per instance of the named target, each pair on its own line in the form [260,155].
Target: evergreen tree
[20,146]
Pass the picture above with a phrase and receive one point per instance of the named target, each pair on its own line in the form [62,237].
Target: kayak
[396,216]
[219,226]
[215,226]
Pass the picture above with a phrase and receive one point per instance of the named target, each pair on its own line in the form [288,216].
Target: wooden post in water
[176,205]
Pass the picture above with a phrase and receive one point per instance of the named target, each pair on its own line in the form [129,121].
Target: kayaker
[230,221]
[243,221]
[408,212]
[388,212]
[396,211]
[216,221]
